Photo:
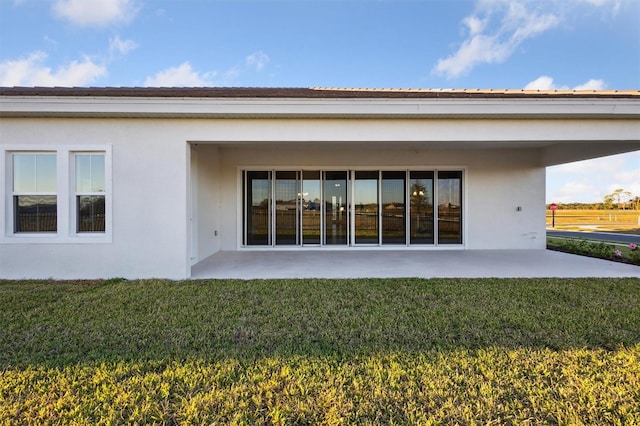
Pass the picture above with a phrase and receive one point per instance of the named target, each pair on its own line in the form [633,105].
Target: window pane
[89,172]
[46,173]
[24,172]
[34,172]
[450,207]
[36,213]
[393,206]
[287,208]
[421,207]
[366,207]
[257,208]
[97,173]
[311,207]
[335,207]
[91,213]
[83,173]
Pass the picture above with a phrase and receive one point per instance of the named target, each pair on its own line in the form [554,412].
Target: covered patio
[262,264]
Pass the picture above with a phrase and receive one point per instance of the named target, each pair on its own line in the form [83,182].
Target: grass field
[627,221]
[376,351]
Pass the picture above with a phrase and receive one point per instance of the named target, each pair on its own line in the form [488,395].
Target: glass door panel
[365,193]
[257,207]
[421,207]
[393,208]
[286,208]
[311,217]
[450,207]
[335,208]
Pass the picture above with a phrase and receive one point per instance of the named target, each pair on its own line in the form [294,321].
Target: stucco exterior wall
[497,182]
[176,183]
[149,181]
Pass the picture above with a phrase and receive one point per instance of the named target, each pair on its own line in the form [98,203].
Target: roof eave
[297,107]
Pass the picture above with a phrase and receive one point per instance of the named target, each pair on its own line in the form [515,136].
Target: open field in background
[369,351]
[627,221]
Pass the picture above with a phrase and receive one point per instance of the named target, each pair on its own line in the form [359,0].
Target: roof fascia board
[82,106]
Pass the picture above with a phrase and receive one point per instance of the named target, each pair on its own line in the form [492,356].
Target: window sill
[90,238]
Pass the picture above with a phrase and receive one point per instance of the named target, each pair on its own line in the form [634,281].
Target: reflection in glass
[311,207]
[450,207]
[393,208]
[34,173]
[89,172]
[35,213]
[335,208]
[286,208]
[421,208]
[257,208]
[91,213]
[366,207]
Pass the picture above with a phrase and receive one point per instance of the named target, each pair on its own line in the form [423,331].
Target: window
[54,195]
[90,192]
[35,200]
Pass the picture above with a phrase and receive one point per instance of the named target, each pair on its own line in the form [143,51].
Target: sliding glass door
[311,208]
[421,207]
[335,208]
[257,187]
[287,208]
[393,207]
[352,207]
[365,204]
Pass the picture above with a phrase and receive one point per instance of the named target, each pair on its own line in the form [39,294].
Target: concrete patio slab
[406,263]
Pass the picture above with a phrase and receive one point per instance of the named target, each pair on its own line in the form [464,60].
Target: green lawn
[378,351]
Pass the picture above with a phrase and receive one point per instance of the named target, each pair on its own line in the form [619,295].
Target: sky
[514,44]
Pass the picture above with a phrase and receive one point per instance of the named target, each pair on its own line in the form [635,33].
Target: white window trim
[65,168]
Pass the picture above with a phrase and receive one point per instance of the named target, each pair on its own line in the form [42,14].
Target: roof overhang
[315,103]
[562,126]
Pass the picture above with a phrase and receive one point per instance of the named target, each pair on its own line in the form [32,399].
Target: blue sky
[544,44]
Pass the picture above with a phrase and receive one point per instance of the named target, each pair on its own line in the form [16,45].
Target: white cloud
[121,47]
[185,76]
[575,191]
[50,40]
[541,83]
[31,71]
[498,28]
[258,60]
[95,12]
[180,76]
[494,45]
[628,180]
[605,165]
[589,181]
[592,84]
[615,4]
[475,25]
[546,83]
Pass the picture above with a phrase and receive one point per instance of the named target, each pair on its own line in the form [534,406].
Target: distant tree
[618,197]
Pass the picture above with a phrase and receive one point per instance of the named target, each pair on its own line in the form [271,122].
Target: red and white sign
[553,206]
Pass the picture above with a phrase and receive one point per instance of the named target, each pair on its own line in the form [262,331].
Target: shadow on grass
[56,324]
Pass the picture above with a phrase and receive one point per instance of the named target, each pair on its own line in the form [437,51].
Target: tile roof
[311,92]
